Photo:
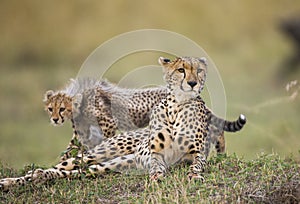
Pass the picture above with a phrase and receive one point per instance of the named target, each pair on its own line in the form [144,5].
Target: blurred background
[252,42]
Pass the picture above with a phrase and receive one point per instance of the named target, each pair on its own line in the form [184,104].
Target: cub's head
[185,76]
[58,106]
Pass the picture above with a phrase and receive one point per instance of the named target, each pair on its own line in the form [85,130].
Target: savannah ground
[43,45]
[228,179]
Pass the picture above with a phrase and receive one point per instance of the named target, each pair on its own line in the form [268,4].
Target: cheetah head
[59,107]
[185,76]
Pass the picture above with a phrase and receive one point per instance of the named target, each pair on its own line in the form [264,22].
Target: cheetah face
[185,76]
[58,106]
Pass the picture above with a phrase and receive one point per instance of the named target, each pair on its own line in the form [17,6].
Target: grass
[242,38]
[268,178]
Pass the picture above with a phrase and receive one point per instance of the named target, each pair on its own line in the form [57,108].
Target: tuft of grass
[228,179]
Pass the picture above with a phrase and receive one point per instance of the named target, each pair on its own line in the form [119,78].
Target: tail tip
[243,118]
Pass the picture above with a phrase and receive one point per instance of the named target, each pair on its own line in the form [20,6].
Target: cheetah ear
[77,99]
[163,61]
[47,95]
[203,60]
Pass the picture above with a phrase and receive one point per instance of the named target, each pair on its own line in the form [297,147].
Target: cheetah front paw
[157,176]
[5,184]
[194,176]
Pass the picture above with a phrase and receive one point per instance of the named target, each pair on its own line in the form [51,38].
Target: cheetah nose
[55,120]
[192,83]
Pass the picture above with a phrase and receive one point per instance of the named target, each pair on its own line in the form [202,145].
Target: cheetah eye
[50,109]
[62,109]
[181,70]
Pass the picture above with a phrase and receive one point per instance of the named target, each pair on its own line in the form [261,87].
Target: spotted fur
[98,108]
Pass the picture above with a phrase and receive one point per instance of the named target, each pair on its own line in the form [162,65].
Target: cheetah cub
[97,109]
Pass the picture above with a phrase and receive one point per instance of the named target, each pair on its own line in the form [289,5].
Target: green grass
[228,179]
[41,51]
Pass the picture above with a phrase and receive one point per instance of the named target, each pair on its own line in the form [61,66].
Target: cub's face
[58,106]
[185,76]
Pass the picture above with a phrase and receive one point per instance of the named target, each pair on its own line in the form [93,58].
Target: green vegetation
[228,179]
[41,51]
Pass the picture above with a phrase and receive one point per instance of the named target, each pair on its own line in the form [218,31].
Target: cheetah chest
[183,130]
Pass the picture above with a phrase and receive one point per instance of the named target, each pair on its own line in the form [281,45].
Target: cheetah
[178,131]
[98,108]
[179,125]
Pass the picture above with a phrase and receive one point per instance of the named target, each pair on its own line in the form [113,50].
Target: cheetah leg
[158,167]
[81,131]
[89,132]
[197,167]
[220,143]
[40,176]
[85,137]
[7,183]
[72,149]
[117,146]
[118,164]
[109,149]
[216,137]
[93,167]
[159,148]
[35,177]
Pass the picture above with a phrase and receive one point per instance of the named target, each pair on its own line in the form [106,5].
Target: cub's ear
[203,60]
[47,95]
[163,61]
